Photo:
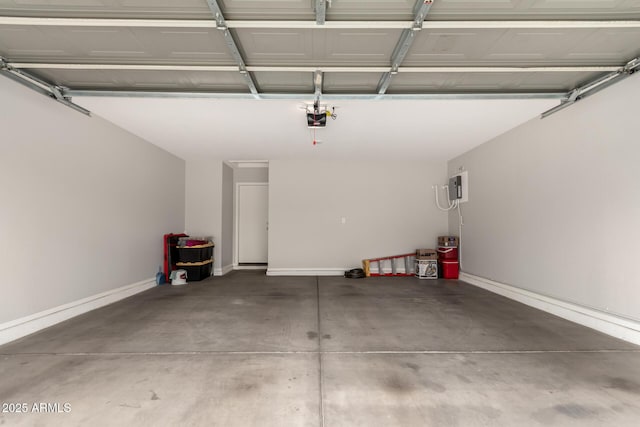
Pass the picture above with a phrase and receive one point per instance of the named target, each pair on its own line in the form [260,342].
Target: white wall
[227,217]
[83,204]
[251,175]
[388,208]
[204,202]
[210,196]
[555,204]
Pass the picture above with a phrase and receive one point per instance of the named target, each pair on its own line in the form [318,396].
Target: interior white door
[253,216]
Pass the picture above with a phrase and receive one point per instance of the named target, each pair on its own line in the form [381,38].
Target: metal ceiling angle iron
[320,8]
[595,86]
[217,14]
[40,86]
[233,46]
[4,65]
[631,66]
[420,10]
[318,78]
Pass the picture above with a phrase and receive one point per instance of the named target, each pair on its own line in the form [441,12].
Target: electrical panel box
[455,187]
[459,187]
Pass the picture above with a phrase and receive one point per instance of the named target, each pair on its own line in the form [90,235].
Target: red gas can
[449,269]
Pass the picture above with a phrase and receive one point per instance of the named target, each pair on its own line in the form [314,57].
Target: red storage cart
[171,256]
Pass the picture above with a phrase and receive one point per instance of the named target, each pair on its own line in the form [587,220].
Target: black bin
[196,271]
[195,253]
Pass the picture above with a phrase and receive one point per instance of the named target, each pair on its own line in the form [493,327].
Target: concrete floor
[246,349]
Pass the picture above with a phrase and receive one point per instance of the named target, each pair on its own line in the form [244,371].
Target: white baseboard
[222,271]
[14,329]
[610,324]
[306,271]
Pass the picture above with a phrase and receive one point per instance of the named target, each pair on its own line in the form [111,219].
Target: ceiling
[446,74]
[242,129]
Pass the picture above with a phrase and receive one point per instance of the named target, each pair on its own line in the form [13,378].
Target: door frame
[236,226]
